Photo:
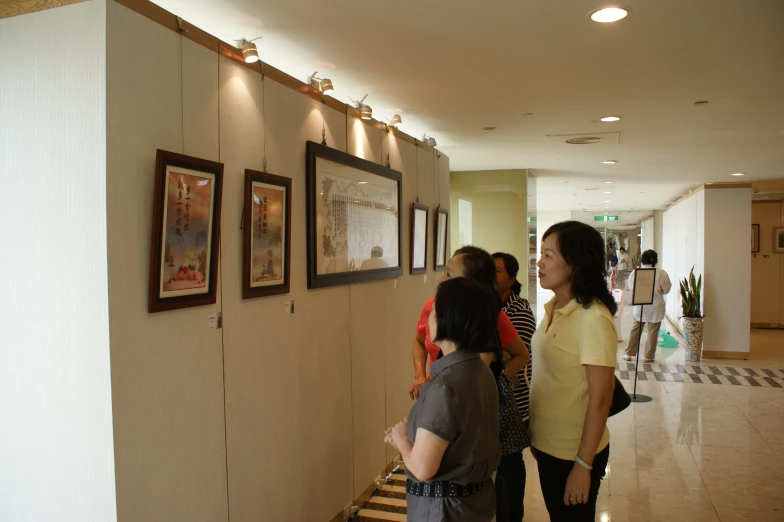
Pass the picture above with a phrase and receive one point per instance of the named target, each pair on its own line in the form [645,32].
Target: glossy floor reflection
[710,452]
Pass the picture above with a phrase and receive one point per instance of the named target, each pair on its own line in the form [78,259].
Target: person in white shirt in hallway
[623,266]
[652,314]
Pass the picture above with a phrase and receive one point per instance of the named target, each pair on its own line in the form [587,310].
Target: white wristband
[582,463]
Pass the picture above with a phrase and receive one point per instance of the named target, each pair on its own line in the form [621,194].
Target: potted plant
[692,316]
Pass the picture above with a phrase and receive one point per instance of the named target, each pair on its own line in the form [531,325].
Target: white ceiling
[453,67]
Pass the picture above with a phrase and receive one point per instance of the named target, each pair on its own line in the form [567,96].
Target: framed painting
[441,256]
[185,232]
[778,240]
[755,231]
[266,235]
[353,219]
[419,238]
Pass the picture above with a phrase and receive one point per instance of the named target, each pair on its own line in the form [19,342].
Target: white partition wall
[56,455]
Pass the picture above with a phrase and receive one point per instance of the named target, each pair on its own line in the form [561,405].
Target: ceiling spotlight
[609,162]
[607,119]
[607,182]
[366,111]
[322,84]
[609,14]
[608,192]
[249,51]
[607,201]
[737,174]
[429,140]
[396,121]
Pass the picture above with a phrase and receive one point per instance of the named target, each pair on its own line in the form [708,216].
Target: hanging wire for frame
[263,113]
[182,31]
[323,123]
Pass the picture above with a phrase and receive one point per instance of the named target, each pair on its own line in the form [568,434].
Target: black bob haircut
[466,314]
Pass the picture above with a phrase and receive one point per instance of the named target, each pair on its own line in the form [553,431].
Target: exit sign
[532,219]
[605,218]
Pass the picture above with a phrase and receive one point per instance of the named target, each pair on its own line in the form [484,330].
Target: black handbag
[514,436]
[620,400]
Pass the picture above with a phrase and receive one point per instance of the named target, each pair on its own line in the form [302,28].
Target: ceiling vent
[602,139]
[588,140]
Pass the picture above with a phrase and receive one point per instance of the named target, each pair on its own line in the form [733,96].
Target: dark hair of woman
[649,257]
[582,247]
[478,264]
[466,313]
[512,268]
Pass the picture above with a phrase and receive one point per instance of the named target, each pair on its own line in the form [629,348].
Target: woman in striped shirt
[519,312]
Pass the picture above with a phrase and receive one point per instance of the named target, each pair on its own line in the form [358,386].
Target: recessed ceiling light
[605,213]
[738,174]
[607,182]
[361,182]
[609,162]
[607,201]
[608,119]
[608,192]
[609,14]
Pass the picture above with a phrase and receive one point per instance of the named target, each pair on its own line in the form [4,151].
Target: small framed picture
[442,221]
[419,238]
[185,232]
[778,240]
[755,236]
[266,235]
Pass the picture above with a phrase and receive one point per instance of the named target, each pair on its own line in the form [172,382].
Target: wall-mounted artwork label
[266,239]
[186,226]
[605,218]
[353,219]
[419,238]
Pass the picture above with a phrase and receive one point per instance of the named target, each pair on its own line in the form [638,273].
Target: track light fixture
[249,51]
[396,121]
[322,84]
[365,110]
[429,140]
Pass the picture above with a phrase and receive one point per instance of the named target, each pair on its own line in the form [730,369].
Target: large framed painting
[185,232]
[419,238]
[778,240]
[266,237]
[353,219]
[755,233]
[442,220]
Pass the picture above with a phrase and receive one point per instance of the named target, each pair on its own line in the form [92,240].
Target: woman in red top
[467,262]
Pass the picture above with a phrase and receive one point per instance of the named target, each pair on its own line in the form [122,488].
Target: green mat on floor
[667,341]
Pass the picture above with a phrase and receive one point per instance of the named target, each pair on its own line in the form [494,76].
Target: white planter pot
[692,334]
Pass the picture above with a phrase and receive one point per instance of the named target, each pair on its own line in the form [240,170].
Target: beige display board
[644,285]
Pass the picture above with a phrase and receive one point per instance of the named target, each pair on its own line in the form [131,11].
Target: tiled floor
[702,452]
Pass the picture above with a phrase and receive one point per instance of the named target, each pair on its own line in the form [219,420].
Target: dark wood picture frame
[437,222]
[314,152]
[777,246]
[249,229]
[755,238]
[414,208]
[214,171]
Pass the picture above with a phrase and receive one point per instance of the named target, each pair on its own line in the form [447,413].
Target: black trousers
[554,472]
[510,488]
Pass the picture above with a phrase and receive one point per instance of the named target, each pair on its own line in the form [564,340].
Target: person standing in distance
[652,314]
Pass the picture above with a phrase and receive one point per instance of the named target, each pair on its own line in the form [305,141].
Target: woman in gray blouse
[449,442]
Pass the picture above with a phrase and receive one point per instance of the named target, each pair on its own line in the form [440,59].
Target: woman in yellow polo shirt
[574,352]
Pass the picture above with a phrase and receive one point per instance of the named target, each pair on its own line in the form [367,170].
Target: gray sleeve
[437,413]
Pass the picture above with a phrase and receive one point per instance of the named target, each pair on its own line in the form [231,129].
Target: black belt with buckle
[443,489]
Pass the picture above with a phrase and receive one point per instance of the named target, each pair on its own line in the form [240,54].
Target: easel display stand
[644,286]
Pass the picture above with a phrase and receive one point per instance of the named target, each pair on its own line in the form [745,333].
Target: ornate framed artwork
[266,235]
[778,240]
[419,214]
[353,219]
[442,221]
[755,231]
[185,232]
